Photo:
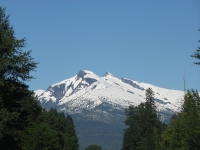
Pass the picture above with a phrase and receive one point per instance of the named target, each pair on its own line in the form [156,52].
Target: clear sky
[144,40]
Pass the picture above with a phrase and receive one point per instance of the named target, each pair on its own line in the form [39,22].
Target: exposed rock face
[97,104]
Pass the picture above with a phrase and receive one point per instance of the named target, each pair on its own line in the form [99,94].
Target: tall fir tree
[144,127]
[24,125]
[184,129]
[16,101]
[48,130]
[40,136]
[71,137]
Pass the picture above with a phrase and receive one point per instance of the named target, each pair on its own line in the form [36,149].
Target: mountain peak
[85,71]
[82,73]
[102,100]
[107,74]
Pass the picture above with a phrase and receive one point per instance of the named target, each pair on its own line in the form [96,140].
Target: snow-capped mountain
[39,92]
[89,97]
[87,90]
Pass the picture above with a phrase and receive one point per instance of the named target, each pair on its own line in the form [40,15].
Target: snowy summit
[86,90]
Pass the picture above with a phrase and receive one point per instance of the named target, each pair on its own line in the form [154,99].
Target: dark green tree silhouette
[93,147]
[51,130]
[42,137]
[17,103]
[24,125]
[144,127]
[71,137]
[56,122]
[184,129]
[197,54]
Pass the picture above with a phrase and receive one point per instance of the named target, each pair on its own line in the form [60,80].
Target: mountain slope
[39,92]
[91,99]
[87,90]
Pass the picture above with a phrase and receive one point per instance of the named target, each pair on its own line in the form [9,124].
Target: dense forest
[146,131]
[25,125]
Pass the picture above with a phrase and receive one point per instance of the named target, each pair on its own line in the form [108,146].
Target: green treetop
[17,104]
[93,147]
[184,129]
[144,127]
[197,54]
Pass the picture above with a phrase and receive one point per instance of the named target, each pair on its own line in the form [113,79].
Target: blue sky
[147,41]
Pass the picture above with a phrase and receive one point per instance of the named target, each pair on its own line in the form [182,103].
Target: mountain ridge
[97,104]
[125,92]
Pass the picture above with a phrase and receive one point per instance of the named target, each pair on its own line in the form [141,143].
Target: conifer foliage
[24,125]
[51,131]
[71,139]
[93,147]
[144,127]
[197,54]
[17,104]
[184,129]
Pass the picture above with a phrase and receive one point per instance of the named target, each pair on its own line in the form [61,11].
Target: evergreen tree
[93,147]
[184,129]
[17,104]
[150,98]
[24,124]
[42,137]
[63,128]
[133,134]
[71,137]
[144,127]
[197,54]
[56,122]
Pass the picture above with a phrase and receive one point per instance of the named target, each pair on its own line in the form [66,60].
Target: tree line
[145,131]
[25,125]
